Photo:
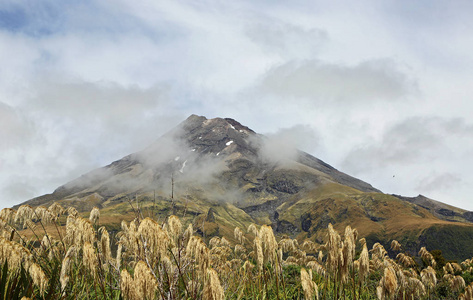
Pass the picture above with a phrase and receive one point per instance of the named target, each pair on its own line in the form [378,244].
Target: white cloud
[377,80]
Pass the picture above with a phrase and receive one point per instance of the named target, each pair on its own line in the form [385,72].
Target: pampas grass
[148,259]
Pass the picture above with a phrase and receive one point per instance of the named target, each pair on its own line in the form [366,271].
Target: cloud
[410,141]
[374,80]
[15,131]
[284,144]
[435,182]
[286,40]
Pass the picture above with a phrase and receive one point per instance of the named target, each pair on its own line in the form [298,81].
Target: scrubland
[55,253]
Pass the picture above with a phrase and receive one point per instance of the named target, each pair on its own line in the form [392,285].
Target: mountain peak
[223,169]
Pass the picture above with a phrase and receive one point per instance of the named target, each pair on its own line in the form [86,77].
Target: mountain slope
[219,174]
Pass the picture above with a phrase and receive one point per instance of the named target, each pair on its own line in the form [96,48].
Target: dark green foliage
[14,286]
[437,254]
[454,241]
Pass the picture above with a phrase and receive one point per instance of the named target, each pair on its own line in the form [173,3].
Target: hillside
[220,174]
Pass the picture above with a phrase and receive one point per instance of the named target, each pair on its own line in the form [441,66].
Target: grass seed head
[94,215]
[90,259]
[38,277]
[127,286]
[145,282]
[308,286]
[212,288]
[64,277]
[175,226]
[395,245]
[8,215]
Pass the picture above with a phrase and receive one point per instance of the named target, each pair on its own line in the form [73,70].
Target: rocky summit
[218,174]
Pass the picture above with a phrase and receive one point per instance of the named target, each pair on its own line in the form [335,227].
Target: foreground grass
[151,260]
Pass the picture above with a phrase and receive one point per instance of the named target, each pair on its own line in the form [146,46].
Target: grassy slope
[377,216]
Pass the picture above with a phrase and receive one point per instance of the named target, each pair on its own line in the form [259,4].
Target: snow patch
[183,166]
[229,143]
[218,153]
[177,158]
[193,150]
[232,127]
[200,137]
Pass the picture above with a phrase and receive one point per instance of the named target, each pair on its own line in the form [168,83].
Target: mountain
[218,174]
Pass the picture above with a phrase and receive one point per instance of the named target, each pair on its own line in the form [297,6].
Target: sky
[381,90]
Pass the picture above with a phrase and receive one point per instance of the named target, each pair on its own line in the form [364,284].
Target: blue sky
[373,88]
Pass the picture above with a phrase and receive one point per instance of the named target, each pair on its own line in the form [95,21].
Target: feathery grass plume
[456,267]
[238,234]
[248,266]
[212,289]
[405,260]
[42,214]
[308,286]
[468,293]
[364,263]
[153,238]
[239,249]
[252,229]
[29,224]
[332,247]
[416,288]
[287,245]
[145,282]
[118,260]
[187,234]
[448,268]
[291,260]
[224,242]
[395,245]
[426,256]
[220,255]
[38,277]
[72,211]
[402,280]
[65,269]
[308,246]
[196,248]
[258,248]
[320,257]
[457,283]
[56,209]
[350,244]
[8,215]
[175,227]
[317,268]
[127,286]
[428,277]
[166,263]
[378,251]
[214,242]
[16,255]
[79,231]
[105,244]
[89,258]
[23,214]
[85,232]
[45,242]
[94,215]
[389,280]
